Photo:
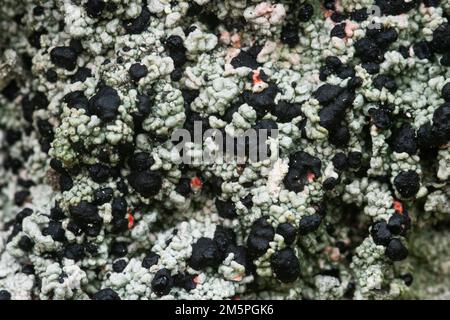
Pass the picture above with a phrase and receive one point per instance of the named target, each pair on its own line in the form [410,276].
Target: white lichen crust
[96,203]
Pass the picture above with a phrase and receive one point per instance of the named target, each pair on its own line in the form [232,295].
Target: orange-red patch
[130,220]
[327,13]
[398,206]
[196,279]
[311,176]
[256,79]
[237,278]
[196,183]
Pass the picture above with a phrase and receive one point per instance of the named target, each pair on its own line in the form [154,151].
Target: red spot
[398,206]
[236,298]
[256,79]
[196,279]
[237,278]
[326,13]
[130,220]
[310,176]
[196,183]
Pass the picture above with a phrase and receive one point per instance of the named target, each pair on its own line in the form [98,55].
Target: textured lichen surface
[94,203]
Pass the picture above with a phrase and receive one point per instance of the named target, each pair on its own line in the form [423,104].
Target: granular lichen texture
[352,201]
